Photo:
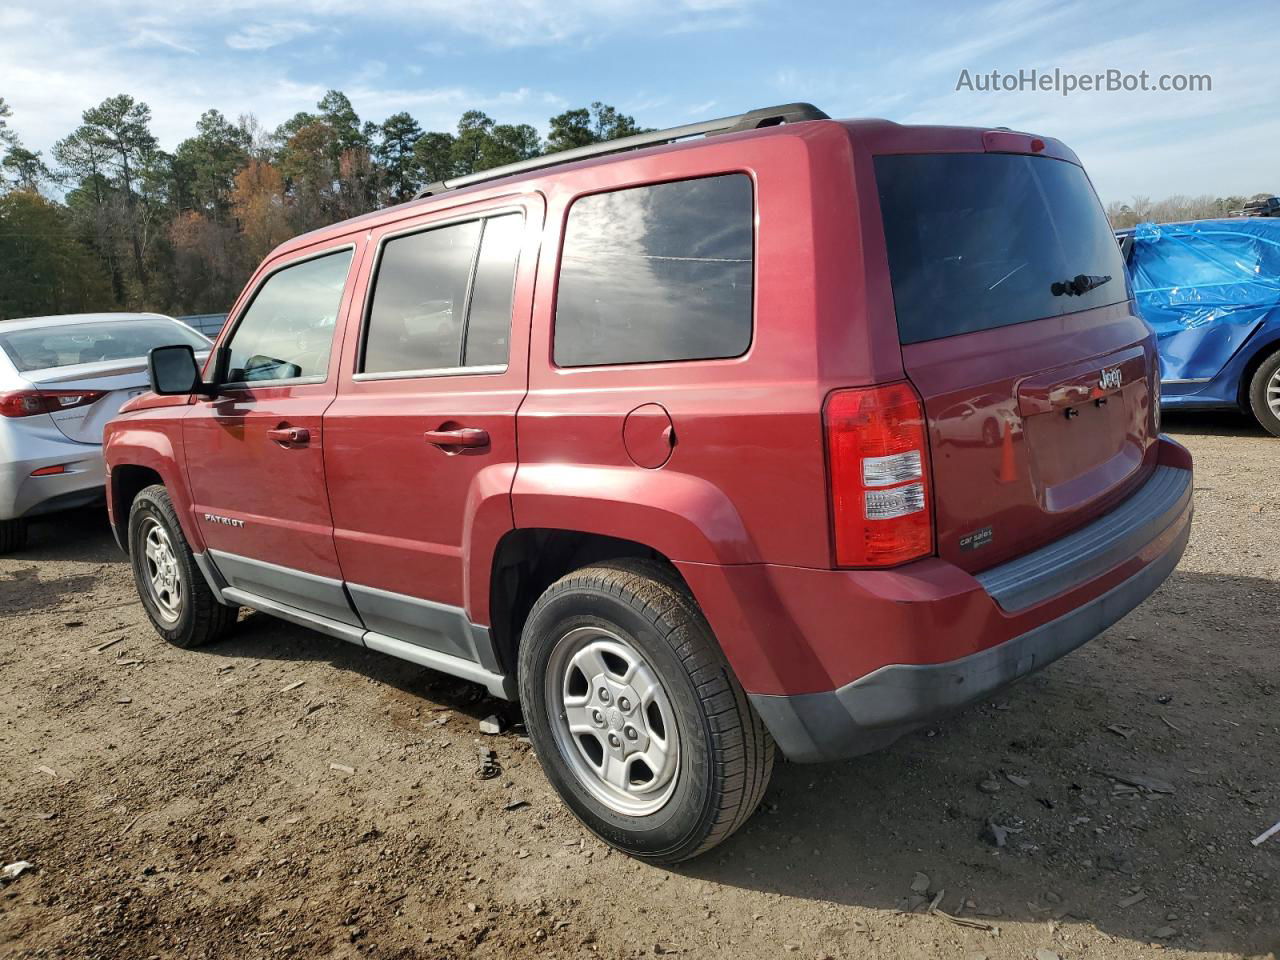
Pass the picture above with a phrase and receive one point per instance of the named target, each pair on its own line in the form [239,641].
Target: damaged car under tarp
[1211,291]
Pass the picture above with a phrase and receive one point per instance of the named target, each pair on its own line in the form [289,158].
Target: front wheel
[174,593]
[1264,394]
[635,715]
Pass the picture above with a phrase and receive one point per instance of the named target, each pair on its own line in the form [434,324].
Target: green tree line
[110,221]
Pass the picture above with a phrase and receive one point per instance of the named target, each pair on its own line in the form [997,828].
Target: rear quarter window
[657,273]
[977,241]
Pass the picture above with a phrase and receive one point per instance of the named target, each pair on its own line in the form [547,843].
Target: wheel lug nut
[604,695]
[597,717]
[631,733]
[624,703]
[614,741]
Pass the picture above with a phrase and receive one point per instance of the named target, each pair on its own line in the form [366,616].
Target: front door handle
[290,436]
[459,437]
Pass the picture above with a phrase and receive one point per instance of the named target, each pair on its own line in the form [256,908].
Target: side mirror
[173,370]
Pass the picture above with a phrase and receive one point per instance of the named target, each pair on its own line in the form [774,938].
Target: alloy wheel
[613,721]
[164,577]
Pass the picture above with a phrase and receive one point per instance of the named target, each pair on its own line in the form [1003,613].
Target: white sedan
[61,380]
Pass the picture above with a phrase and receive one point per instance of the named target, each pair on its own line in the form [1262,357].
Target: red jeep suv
[767,430]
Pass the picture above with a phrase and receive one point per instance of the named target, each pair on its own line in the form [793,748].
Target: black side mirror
[173,370]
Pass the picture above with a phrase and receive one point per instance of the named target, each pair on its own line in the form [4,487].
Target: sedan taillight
[28,403]
[877,452]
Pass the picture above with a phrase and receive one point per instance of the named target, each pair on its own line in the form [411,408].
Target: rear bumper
[877,709]
[1002,625]
[21,453]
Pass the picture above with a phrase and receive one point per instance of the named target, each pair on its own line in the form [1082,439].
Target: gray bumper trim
[1093,549]
[873,711]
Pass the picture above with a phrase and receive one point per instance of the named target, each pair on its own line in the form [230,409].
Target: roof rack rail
[751,120]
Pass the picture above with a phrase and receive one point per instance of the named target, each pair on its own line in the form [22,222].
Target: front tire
[1264,394]
[636,716]
[13,535]
[174,593]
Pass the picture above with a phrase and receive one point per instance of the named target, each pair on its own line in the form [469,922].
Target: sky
[666,63]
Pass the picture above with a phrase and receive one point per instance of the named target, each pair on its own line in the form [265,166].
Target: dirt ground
[284,794]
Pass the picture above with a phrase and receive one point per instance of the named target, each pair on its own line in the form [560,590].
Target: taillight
[878,456]
[28,403]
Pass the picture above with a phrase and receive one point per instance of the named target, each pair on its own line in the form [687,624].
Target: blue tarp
[1205,287]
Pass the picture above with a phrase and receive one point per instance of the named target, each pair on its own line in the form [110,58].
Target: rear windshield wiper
[1078,286]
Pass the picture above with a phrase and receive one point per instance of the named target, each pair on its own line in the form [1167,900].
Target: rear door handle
[459,437]
[290,436]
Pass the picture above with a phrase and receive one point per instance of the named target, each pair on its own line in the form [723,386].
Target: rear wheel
[13,535]
[636,717]
[1264,394]
[990,433]
[174,593]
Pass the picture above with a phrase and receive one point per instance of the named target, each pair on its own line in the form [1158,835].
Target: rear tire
[173,591]
[990,433]
[1264,394]
[669,759]
[13,535]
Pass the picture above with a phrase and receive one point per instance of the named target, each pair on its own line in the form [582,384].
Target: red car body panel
[1029,486]
[793,630]
[747,437]
[235,469]
[147,433]
[409,516]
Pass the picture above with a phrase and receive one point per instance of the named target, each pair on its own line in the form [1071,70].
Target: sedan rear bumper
[24,451]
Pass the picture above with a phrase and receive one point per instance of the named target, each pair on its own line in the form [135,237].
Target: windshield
[977,241]
[40,348]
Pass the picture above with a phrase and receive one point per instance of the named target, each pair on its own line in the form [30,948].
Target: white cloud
[150,36]
[504,23]
[53,72]
[1139,142]
[264,36]
[519,61]
[988,29]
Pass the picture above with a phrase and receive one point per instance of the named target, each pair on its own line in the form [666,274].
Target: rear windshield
[63,345]
[978,241]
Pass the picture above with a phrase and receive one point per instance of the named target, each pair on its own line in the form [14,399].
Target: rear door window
[654,273]
[442,298]
[489,316]
[977,241]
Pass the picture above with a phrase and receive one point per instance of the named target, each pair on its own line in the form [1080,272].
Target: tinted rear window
[978,241]
[656,273]
[442,303]
[63,345]
[419,298]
